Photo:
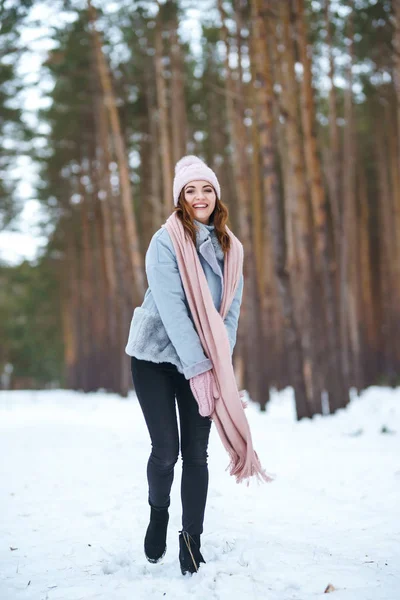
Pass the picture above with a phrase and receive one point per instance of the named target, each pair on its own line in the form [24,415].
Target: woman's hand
[205,391]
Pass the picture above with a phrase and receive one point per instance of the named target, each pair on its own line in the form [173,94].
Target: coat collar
[209,248]
[207,232]
[203,232]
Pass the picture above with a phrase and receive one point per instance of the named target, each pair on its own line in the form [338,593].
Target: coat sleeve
[232,318]
[169,296]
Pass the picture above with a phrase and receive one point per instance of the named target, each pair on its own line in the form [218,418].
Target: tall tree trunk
[386,271]
[394,170]
[86,289]
[301,225]
[178,105]
[367,308]
[99,333]
[162,100]
[264,95]
[107,242]
[396,70]
[336,372]
[335,170]
[134,255]
[256,379]
[155,159]
[70,308]
[349,291]
[271,309]
[394,232]
[117,268]
[256,204]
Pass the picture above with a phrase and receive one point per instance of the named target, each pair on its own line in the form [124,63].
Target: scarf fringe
[242,471]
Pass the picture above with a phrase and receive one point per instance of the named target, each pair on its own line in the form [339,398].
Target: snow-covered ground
[73,504]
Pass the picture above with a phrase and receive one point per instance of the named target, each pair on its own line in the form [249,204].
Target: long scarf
[228,416]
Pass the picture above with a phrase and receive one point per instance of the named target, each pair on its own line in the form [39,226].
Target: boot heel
[190,556]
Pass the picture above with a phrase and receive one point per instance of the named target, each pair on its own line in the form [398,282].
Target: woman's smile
[202,208]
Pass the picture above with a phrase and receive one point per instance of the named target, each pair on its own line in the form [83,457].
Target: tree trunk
[264,95]
[178,105]
[337,379]
[335,170]
[117,267]
[134,255]
[396,70]
[386,272]
[156,177]
[367,309]
[162,101]
[301,226]
[349,289]
[256,379]
[70,308]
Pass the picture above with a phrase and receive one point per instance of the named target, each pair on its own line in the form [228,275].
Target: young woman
[181,342]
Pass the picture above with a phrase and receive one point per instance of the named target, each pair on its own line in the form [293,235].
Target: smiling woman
[201,198]
[181,342]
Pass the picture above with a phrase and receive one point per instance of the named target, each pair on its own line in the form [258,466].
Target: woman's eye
[208,191]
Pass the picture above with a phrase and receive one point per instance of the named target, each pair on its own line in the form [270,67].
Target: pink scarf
[228,416]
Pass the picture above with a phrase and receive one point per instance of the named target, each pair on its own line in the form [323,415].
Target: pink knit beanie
[191,168]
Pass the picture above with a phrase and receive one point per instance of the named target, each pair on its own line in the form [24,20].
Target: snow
[73,504]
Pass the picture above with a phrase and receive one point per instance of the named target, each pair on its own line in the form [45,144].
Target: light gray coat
[162,328]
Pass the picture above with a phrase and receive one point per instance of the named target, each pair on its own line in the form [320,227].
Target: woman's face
[202,198]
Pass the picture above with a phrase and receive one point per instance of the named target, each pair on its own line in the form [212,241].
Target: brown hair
[219,218]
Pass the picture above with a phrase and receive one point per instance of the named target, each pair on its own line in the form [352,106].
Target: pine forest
[295,104]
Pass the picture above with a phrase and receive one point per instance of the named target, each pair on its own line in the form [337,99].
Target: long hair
[219,218]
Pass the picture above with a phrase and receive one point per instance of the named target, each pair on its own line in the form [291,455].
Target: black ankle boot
[155,541]
[190,556]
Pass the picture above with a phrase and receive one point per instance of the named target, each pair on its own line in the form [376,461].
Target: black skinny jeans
[156,386]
